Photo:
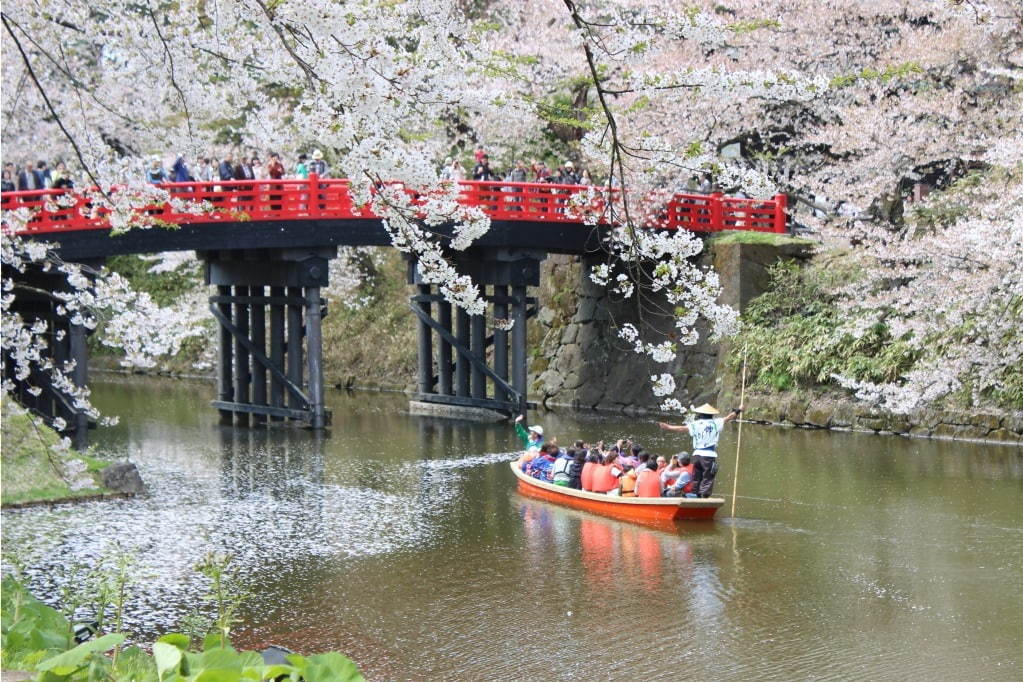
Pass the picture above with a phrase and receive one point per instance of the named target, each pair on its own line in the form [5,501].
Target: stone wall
[578,360]
[581,362]
[794,409]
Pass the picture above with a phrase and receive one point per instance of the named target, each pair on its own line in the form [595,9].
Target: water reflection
[284,463]
[402,540]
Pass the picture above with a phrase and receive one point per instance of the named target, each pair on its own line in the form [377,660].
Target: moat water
[402,542]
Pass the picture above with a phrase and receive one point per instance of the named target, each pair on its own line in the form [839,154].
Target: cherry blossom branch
[42,93]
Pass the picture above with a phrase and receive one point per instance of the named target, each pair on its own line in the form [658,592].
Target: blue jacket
[541,467]
[180,171]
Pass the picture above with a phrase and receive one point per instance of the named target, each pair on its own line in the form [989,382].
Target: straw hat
[569,164]
[705,408]
[538,430]
[317,154]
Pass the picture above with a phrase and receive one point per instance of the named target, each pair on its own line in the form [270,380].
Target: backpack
[560,471]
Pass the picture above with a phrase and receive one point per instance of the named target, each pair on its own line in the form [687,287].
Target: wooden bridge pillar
[287,282]
[470,368]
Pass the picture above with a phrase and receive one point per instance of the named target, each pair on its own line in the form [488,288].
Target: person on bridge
[44,172]
[226,168]
[482,170]
[275,169]
[568,175]
[517,174]
[243,170]
[29,179]
[318,165]
[301,169]
[532,438]
[155,174]
[179,172]
[203,170]
[705,430]
[61,178]
[453,171]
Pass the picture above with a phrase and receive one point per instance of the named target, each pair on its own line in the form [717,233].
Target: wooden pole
[738,438]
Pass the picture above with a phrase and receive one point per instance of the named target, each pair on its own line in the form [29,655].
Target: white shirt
[705,434]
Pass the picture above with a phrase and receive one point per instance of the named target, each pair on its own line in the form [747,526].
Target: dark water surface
[401,541]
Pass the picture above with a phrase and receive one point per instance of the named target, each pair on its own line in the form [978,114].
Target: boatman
[532,438]
[705,429]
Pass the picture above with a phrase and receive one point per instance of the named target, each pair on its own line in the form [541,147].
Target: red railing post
[780,201]
[717,211]
[314,185]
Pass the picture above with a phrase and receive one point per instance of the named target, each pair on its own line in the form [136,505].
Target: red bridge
[266,246]
[330,199]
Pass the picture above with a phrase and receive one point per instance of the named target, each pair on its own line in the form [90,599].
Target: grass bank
[36,469]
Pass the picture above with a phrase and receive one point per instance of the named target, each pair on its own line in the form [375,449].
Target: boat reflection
[610,551]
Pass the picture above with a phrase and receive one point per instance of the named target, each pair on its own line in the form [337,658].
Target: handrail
[331,199]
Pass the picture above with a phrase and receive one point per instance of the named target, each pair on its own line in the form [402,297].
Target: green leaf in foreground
[167,657]
[70,661]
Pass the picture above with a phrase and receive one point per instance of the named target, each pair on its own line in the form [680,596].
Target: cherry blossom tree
[833,100]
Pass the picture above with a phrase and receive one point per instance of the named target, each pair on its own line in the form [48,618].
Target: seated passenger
[605,477]
[635,458]
[683,485]
[559,473]
[648,483]
[541,466]
[592,462]
[627,482]
[662,464]
[575,470]
[671,472]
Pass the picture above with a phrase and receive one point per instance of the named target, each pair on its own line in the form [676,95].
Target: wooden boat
[641,509]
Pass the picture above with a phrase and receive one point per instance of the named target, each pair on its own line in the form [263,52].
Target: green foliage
[743,27]
[377,340]
[747,237]
[38,638]
[798,336]
[33,466]
[31,630]
[225,595]
[165,288]
[561,110]
[890,72]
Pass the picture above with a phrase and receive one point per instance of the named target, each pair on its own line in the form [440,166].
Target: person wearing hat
[705,430]
[532,438]
[568,174]
[318,165]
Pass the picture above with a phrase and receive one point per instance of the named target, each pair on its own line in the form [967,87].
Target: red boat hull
[639,509]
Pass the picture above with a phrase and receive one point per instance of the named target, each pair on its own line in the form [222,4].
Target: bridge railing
[331,198]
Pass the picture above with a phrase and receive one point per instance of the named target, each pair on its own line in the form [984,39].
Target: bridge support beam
[241,304]
[469,372]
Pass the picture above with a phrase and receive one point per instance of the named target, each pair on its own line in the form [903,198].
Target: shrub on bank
[796,335]
[36,637]
[802,334]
